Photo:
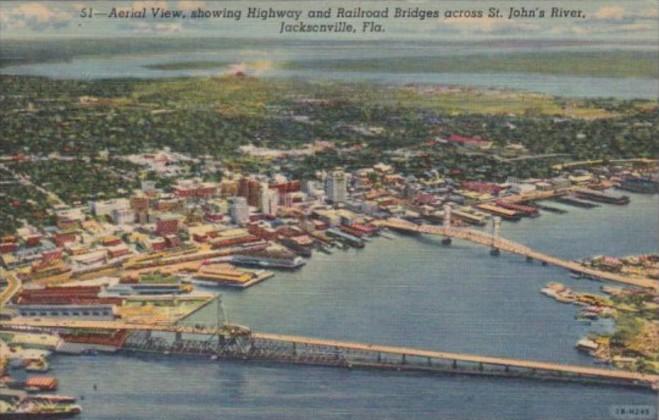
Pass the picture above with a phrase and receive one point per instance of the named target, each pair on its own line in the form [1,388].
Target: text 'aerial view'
[329,209]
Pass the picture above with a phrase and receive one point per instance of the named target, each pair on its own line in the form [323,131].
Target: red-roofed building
[482,187]
[470,141]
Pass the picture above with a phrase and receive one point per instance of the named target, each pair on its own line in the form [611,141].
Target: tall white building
[336,187]
[264,196]
[239,210]
[105,208]
[271,203]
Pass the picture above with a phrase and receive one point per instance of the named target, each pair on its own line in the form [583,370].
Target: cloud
[573,30]
[149,28]
[637,27]
[36,16]
[191,5]
[150,4]
[610,13]
[485,25]
[651,13]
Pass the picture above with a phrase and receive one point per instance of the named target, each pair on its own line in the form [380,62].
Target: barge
[601,197]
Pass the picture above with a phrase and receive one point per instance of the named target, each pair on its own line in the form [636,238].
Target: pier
[499,244]
[239,343]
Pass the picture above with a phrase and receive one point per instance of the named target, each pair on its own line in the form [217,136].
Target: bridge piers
[495,252]
[446,241]
[404,359]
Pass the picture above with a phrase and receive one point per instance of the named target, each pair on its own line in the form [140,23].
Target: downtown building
[336,187]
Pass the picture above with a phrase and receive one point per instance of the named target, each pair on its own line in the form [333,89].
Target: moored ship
[91,341]
[601,197]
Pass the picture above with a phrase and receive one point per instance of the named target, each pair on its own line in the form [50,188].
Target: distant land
[188,65]
[541,57]
[643,64]
[621,64]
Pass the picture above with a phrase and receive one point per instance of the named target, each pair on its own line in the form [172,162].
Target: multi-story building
[105,208]
[167,225]
[336,187]
[239,210]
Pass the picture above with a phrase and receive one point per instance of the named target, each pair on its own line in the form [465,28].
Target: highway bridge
[502,244]
[236,342]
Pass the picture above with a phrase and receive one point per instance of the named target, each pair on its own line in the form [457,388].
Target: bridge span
[236,342]
[506,245]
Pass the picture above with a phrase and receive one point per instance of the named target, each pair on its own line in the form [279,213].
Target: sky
[622,20]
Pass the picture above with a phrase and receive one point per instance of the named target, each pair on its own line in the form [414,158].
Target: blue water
[410,291]
[133,66]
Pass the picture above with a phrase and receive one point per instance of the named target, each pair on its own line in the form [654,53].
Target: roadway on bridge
[500,361]
[516,248]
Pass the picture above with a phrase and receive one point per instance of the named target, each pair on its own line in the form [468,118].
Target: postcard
[329,209]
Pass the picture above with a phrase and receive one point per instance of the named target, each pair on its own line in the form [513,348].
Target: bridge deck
[516,248]
[500,361]
[556,369]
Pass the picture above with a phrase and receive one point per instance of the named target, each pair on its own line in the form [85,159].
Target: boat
[36,365]
[345,237]
[38,410]
[600,197]
[61,399]
[40,383]
[639,185]
[587,345]
[269,259]
[563,295]
[84,342]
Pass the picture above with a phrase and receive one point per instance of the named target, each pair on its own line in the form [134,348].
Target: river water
[269,64]
[407,291]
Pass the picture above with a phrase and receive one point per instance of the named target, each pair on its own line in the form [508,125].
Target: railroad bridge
[228,341]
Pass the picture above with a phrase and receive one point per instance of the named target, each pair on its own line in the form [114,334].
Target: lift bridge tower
[496,227]
[227,340]
[446,221]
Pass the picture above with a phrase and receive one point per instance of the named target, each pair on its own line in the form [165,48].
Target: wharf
[571,201]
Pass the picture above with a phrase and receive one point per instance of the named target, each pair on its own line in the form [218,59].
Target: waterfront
[410,291]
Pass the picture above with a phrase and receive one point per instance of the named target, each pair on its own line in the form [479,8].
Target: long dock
[482,238]
[235,342]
